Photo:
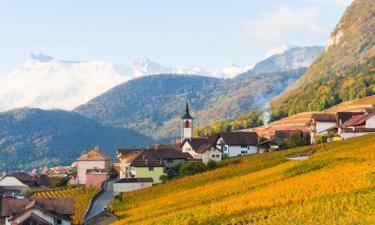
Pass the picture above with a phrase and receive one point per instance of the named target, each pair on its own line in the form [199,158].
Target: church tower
[186,125]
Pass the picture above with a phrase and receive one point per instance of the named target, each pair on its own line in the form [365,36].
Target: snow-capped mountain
[45,82]
[230,71]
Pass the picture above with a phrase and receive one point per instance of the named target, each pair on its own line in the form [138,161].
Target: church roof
[93,155]
[187,113]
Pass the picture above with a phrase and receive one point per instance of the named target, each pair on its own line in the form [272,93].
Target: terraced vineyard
[81,196]
[336,185]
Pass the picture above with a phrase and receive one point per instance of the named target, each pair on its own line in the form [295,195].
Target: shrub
[192,168]
[211,164]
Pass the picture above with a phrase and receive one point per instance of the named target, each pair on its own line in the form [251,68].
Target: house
[138,164]
[237,143]
[146,163]
[358,126]
[131,184]
[202,148]
[43,211]
[10,182]
[90,160]
[96,177]
[268,145]
[319,124]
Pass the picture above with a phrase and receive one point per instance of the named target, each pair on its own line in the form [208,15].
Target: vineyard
[336,185]
[81,196]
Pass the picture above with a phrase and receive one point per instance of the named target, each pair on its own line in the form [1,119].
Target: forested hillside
[154,104]
[336,185]
[39,138]
[345,71]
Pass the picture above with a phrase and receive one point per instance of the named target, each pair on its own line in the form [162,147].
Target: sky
[209,34]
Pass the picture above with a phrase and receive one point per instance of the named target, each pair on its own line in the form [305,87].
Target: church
[200,148]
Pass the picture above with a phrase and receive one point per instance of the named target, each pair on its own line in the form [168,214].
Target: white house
[237,143]
[358,126]
[44,211]
[10,182]
[320,123]
[202,148]
[93,159]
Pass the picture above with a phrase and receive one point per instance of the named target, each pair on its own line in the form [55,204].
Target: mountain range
[72,83]
[153,104]
[140,111]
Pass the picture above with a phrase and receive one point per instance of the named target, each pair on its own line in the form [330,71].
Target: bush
[163,178]
[192,168]
[211,164]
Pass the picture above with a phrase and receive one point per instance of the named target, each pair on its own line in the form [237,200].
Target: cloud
[286,25]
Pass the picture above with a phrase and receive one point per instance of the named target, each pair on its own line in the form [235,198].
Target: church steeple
[186,124]
[187,113]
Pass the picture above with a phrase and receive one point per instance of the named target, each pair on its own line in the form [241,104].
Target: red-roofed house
[319,124]
[93,159]
[358,126]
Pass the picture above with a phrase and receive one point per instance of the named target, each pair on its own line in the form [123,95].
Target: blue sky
[209,34]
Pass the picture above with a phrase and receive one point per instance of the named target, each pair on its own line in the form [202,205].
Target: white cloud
[286,25]
[276,50]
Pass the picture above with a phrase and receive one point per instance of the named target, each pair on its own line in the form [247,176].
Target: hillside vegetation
[40,138]
[345,71]
[154,104]
[336,185]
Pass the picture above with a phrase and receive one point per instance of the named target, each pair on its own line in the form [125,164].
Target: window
[58,221]
[243,152]
[187,124]
[243,146]
[217,156]
[151,168]
[213,156]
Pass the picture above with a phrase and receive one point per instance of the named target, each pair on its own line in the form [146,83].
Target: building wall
[235,150]
[125,187]
[370,123]
[39,213]
[322,126]
[212,154]
[144,172]
[82,166]
[351,135]
[96,179]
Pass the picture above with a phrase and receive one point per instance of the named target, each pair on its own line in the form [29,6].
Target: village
[138,168]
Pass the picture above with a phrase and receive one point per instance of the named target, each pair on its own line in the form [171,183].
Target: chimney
[96,147]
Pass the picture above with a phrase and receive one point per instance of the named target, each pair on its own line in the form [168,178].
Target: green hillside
[39,138]
[345,71]
[336,185]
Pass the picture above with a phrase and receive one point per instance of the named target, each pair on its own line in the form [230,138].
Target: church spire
[187,113]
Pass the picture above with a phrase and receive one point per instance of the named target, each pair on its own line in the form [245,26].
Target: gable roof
[358,120]
[176,146]
[345,116]
[324,117]
[60,206]
[239,138]
[93,155]
[201,144]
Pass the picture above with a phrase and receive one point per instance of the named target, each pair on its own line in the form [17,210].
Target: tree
[192,168]
[211,164]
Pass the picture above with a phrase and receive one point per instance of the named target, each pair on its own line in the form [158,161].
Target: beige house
[202,148]
[90,160]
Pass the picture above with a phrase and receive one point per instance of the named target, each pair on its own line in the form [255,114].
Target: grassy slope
[335,186]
